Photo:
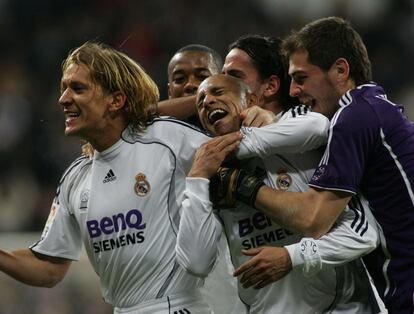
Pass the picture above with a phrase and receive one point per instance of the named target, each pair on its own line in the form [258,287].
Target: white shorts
[181,303]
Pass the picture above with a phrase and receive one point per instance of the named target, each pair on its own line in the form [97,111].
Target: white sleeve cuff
[305,254]
[199,187]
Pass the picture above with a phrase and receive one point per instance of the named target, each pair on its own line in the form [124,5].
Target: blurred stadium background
[36,36]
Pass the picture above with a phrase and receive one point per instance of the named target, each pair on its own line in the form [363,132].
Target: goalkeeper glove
[230,184]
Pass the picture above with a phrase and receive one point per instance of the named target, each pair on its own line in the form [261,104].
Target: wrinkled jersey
[124,206]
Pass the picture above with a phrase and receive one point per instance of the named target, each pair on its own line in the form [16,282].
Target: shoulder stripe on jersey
[359,205]
[76,162]
[399,166]
[68,170]
[177,121]
[325,157]
[360,223]
[366,85]
[299,110]
[346,99]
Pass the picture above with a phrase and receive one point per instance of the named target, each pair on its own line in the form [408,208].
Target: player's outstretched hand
[268,264]
[256,116]
[211,154]
[231,184]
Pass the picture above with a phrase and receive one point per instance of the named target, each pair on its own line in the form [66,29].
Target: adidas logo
[110,176]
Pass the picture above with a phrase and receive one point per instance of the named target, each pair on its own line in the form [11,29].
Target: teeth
[72,114]
[216,114]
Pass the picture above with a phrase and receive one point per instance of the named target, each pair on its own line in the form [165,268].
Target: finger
[263,283]
[243,115]
[251,252]
[256,120]
[244,267]
[248,119]
[248,276]
[230,148]
[253,278]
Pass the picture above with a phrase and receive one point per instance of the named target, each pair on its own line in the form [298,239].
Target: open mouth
[216,115]
[71,115]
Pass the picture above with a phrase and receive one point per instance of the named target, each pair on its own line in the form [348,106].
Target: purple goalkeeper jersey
[371,151]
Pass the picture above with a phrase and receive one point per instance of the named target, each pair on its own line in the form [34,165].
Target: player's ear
[340,70]
[272,86]
[117,102]
[252,100]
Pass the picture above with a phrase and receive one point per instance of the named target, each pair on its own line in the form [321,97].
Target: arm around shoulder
[181,108]
[311,213]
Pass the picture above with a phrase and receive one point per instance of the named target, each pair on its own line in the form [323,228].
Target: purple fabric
[371,151]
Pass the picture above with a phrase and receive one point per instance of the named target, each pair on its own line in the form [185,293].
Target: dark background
[35,36]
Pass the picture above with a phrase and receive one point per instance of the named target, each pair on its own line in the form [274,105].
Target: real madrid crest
[283,180]
[142,186]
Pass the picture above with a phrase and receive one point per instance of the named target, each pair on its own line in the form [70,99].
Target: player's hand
[211,154]
[256,116]
[231,184]
[267,265]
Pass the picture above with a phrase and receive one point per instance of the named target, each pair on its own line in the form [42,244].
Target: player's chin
[222,128]
[71,131]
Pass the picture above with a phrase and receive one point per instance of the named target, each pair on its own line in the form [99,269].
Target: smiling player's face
[84,104]
[313,86]
[219,103]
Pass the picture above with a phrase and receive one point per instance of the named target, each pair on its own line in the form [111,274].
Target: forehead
[238,58]
[76,72]
[200,59]
[298,62]
[221,81]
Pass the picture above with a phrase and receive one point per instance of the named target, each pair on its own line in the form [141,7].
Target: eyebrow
[297,72]
[234,72]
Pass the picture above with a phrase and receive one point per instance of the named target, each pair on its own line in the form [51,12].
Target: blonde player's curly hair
[114,71]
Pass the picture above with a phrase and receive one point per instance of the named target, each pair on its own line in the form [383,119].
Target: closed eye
[200,100]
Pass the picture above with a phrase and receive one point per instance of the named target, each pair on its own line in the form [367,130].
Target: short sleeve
[352,135]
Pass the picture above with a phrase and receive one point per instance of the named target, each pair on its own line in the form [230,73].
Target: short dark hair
[329,39]
[217,59]
[268,59]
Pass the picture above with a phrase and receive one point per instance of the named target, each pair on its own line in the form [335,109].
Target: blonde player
[123,205]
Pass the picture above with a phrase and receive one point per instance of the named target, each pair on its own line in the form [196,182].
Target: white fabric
[292,135]
[124,206]
[189,302]
[325,288]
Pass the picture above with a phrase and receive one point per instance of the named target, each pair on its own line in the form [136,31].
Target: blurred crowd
[37,35]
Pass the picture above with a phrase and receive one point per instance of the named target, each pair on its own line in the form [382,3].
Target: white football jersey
[321,279]
[124,206]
